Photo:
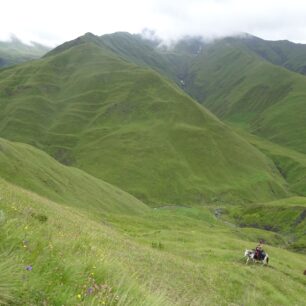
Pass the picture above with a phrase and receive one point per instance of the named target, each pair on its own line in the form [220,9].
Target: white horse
[250,254]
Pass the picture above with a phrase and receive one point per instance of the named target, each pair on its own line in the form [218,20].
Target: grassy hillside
[239,86]
[15,52]
[34,170]
[56,255]
[129,126]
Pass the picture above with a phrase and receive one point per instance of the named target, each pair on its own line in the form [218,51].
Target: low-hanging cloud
[52,22]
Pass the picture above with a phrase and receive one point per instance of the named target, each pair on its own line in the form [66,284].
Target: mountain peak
[86,38]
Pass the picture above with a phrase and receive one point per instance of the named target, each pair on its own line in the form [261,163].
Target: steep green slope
[33,169]
[131,127]
[51,254]
[240,87]
[15,52]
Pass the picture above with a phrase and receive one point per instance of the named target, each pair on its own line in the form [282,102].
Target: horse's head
[247,253]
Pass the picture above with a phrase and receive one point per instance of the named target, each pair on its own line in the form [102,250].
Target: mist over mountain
[14,51]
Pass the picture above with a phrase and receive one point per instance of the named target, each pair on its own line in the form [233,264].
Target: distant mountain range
[14,52]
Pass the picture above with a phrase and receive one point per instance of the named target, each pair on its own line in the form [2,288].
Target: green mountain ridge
[237,78]
[131,127]
[283,52]
[241,79]
[239,86]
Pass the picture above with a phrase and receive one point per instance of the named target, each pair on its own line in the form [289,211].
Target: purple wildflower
[29,268]
[90,290]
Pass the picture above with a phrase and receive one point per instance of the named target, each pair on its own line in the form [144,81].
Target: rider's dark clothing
[259,253]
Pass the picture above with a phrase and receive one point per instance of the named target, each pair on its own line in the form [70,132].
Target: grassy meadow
[56,255]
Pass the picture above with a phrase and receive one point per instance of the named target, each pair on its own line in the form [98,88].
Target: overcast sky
[55,21]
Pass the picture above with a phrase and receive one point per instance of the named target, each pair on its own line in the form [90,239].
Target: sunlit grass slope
[33,169]
[129,126]
[55,255]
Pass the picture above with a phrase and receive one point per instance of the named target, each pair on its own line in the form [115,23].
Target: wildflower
[29,268]
[79,296]
[26,227]
[90,290]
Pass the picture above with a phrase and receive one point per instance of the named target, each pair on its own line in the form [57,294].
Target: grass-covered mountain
[243,79]
[14,52]
[128,125]
[240,86]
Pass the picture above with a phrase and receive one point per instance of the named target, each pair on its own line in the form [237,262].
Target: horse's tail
[267,260]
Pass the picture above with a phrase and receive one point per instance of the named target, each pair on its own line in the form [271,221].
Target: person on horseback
[259,252]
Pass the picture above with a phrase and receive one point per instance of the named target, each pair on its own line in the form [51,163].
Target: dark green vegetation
[15,52]
[131,127]
[124,110]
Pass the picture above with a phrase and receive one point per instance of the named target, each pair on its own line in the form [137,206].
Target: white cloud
[52,22]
